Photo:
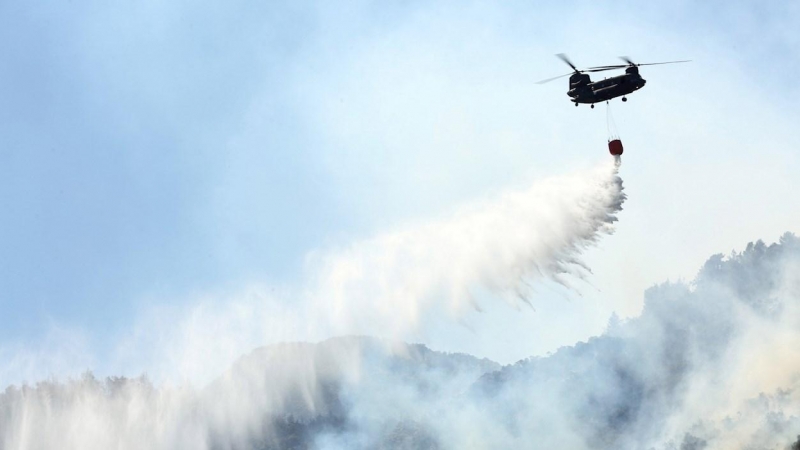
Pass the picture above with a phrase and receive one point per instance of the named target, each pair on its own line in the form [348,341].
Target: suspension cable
[610,124]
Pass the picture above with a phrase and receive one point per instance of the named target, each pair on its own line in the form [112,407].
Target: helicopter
[583,90]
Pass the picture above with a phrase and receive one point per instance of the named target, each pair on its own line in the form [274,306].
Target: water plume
[343,393]
[500,245]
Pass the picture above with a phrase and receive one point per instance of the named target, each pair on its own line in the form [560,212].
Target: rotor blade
[554,78]
[667,62]
[564,58]
[628,60]
[601,68]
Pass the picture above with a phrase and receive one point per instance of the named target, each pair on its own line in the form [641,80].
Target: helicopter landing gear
[592,105]
[576,104]
[624,99]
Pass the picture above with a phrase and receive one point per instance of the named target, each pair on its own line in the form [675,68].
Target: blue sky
[117,138]
[154,152]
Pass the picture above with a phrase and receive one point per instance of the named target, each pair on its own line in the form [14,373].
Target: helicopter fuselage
[584,90]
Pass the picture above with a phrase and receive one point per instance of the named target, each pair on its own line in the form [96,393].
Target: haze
[184,183]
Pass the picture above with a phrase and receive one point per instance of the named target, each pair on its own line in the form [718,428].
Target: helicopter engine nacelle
[578,79]
[579,85]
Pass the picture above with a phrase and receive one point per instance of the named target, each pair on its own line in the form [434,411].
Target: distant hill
[671,367]
[304,391]
[657,379]
[712,364]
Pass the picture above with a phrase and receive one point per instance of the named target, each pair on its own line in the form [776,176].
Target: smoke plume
[710,364]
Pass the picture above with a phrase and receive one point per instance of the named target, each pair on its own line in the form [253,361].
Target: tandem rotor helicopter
[583,90]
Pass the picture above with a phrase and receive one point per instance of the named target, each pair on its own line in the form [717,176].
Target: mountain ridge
[707,364]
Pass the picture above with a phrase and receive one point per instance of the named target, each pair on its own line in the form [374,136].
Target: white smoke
[708,365]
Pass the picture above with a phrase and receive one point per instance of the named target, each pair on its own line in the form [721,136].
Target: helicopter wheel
[576,104]
[592,105]
[624,99]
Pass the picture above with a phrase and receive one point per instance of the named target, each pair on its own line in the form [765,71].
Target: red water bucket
[615,147]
